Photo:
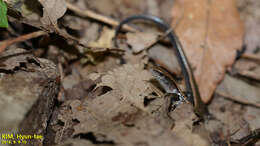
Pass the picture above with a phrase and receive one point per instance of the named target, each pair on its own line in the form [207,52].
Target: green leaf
[3,14]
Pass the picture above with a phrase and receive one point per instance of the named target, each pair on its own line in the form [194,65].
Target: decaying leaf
[52,11]
[244,64]
[230,121]
[29,10]
[130,80]
[247,68]
[123,115]
[28,86]
[105,39]
[211,32]
[165,58]
[249,11]
[252,116]
[240,91]
[141,40]
[8,62]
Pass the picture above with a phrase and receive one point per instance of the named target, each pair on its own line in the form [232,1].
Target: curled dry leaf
[211,32]
[52,11]
[131,81]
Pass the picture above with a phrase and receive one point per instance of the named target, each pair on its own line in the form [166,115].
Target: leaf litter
[211,32]
[118,105]
[123,118]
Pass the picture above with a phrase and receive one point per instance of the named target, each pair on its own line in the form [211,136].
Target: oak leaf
[211,32]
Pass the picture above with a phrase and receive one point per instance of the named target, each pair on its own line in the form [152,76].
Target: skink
[200,108]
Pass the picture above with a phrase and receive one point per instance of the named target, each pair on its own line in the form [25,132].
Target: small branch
[251,56]
[250,75]
[9,42]
[98,17]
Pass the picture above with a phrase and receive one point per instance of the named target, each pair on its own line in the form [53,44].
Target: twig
[251,56]
[250,75]
[98,17]
[6,43]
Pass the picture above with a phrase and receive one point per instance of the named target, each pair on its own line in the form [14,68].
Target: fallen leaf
[52,11]
[211,32]
[254,75]
[153,8]
[252,35]
[165,58]
[11,63]
[247,68]
[130,80]
[239,91]
[244,64]
[117,7]
[249,11]
[90,33]
[121,116]
[230,119]
[105,39]
[140,40]
[184,129]
[252,116]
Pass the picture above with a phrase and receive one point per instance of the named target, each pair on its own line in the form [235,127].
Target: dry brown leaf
[105,39]
[120,116]
[8,62]
[252,116]
[231,121]
[249,10]
[240,91]
[254,75]
[183,116]
[131,81]
[247,68]
[211,32]
[52,11]
[244,64]
[139,41]
[117,7]
[165,58]
[117,116]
